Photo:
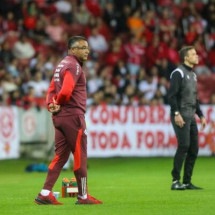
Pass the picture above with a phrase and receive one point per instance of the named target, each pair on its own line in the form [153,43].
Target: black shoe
[190,186]
[176,185]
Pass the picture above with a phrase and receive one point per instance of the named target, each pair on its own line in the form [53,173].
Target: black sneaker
[190,186]
[176,185]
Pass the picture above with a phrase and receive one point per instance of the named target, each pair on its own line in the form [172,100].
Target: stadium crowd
[133,43]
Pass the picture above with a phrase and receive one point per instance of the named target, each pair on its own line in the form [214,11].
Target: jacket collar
[187,67]
[73,56]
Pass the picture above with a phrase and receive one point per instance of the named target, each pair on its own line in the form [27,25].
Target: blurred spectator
[165,67]
[8,83]
[156,51]
[110,93]
[111,16]
[190,35]
[12,68]
[38,84]
[135,23]
[199,23]
[30,12]
[94,83]
[211,58]
[23,49]
[104,29]
[55,29]
[64,7]
[172,53]
[38,33]
[167,24]
[6,54]
[98,43]
[148,87]
[209,14]
[94,7]
[10,22]
[201,68]
[129,40]
[92,23]
[43,63]
[97,99]
[151,25]
[130,97]
[122,18]
[161,92]
[134,51]
[115,53]
[15,98]
[82,15]
[120,77]
[29,98]
[2,29]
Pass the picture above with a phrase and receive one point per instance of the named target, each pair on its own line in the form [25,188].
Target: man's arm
[67,87]
[175,84]
[198,109]
[50,93]
[200,115]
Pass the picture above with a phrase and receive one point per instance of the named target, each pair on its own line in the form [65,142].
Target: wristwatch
[176,113]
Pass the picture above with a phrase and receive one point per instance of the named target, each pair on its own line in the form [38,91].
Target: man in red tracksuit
[66,100]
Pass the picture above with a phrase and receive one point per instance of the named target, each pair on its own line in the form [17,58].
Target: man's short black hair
[183,52]
[74,39]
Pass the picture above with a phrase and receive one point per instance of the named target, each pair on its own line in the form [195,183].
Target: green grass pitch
[128,186]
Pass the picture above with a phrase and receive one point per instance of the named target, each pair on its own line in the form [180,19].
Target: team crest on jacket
[85,132]
[77,68]
[195,78]
[188,77]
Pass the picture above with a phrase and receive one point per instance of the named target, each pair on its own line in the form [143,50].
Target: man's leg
[80,163]
[80,170]
[192,153]
[183,138]
[62,151]
[79,149]
[75,135]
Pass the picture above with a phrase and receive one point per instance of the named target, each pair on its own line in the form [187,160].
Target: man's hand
[179,121]
[54,108]
[203,122]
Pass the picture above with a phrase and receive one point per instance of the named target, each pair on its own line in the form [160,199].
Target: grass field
[128,186]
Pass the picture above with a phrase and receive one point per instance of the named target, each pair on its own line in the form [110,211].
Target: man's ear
[71,51]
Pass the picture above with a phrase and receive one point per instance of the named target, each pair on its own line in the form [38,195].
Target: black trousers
[187,149]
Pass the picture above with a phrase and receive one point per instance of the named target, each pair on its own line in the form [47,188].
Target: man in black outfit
[184,105]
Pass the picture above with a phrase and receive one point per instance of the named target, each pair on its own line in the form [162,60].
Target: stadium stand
[138,50]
